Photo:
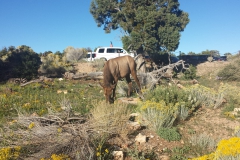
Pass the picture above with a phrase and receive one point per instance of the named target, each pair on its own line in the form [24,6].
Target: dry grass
[109,119]
[210,69]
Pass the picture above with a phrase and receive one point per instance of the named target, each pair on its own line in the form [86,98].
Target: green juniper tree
[150,26]
[22,62]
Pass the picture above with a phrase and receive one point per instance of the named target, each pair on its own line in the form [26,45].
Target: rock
[118,155]
[140,139]
[236,109]
[134,115]
[180,86]
[134,125]
[59,91]
[164,157]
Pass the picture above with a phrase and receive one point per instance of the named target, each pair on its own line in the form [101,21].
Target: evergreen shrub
[170,134]
[191,73]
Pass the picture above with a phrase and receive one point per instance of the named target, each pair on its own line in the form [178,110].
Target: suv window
[119,51]
[101,50]
[111,50]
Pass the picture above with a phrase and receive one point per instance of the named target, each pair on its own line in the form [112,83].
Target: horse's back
[122,66]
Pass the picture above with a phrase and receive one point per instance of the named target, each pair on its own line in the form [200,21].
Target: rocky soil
[206,121]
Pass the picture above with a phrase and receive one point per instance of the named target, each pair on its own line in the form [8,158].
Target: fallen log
[91,75]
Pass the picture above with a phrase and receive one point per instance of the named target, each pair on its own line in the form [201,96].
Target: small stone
[141,138]
[134,115]
[134,125]
[164,157]
[118,155]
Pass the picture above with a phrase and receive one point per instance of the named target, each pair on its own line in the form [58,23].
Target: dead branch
[32,81]
[170,66]
[152,78]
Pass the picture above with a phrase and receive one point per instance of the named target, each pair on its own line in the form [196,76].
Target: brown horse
[115,69]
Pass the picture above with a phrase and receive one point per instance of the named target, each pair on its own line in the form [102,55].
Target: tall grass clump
[105,122]
[231,72]
[109,119]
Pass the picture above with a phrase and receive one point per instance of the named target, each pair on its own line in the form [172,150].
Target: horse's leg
[129,81]
[134,75]
[114,89]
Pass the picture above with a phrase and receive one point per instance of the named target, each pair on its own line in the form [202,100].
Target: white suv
[107,53]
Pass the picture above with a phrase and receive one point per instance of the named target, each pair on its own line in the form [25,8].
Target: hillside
[58,133]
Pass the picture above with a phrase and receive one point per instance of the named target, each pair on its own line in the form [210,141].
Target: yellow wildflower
[106,150]
[98,154]
[59,130]
[31,125]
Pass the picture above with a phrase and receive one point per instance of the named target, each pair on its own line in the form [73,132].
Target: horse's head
[108,92]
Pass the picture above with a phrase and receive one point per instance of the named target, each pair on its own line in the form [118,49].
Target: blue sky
[53,25]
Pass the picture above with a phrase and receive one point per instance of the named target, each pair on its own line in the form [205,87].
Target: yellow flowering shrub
[9,153]
[230,147]
[225,148]
[160,106]
[58,157]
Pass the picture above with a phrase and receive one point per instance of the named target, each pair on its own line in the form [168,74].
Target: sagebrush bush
[202,95]
[164,105]
[231,93]
[202,141]
[157,115]
[98,64]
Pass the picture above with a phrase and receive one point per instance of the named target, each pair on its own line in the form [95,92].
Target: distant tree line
[207,52]
[23,62]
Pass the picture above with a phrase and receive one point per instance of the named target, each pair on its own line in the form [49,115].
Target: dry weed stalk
[75,133]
